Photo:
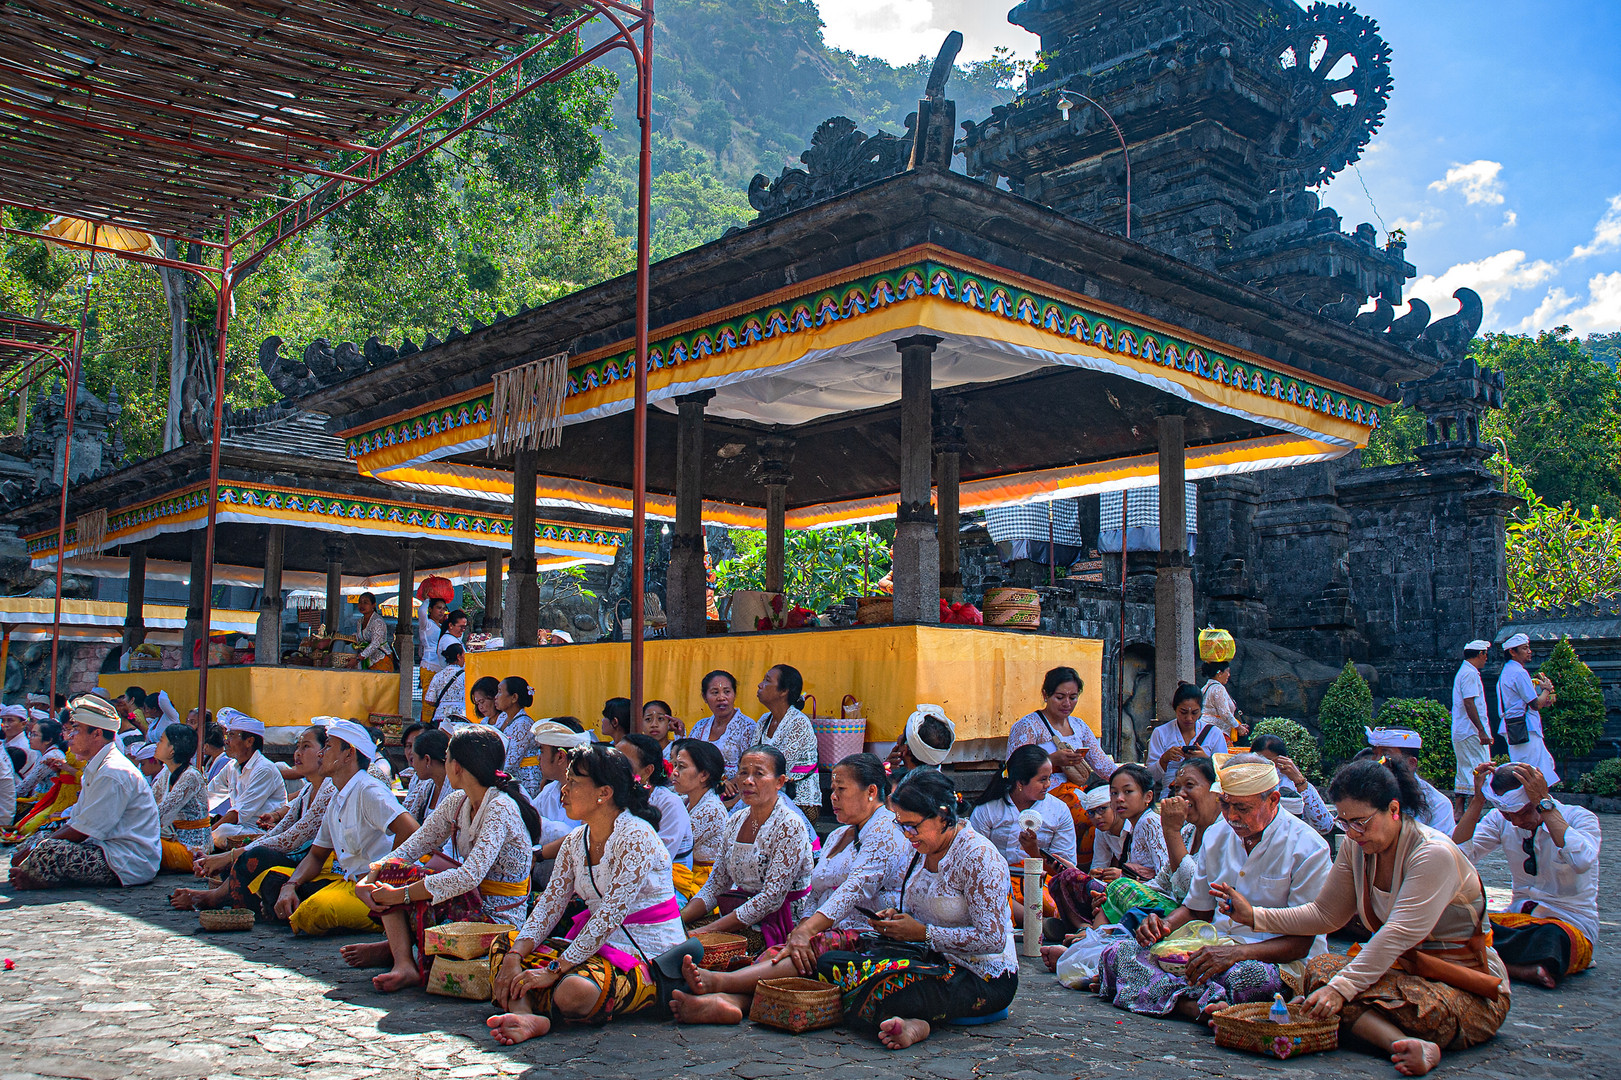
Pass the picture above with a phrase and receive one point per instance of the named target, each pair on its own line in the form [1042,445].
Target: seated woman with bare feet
[485,820]
[861,867]
[252,877]
[944,952]
[762,879]
[615,863]
[1428,980]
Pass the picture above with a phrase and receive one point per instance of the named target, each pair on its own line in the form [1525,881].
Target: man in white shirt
[1552,849]
[363,823]
[1270,857]
[553,739]
[1437,812]
[253,782]
[113,837]
[1521,699]
[1471,725]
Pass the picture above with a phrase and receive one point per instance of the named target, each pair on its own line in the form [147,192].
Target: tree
[1557,556]
[1346,711]
[1573,724]
[822,567]
[1302,745]
[1561,417]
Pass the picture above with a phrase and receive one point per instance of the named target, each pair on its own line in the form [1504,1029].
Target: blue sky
[1500,155]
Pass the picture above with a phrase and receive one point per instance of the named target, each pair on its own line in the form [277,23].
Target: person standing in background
[1471,733]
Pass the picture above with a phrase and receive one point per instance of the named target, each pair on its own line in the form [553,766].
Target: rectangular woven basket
[468,979]
[464,940]
[796,1005]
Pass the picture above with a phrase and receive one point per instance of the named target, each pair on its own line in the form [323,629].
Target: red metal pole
[222,317]
[67,459]
[644,216]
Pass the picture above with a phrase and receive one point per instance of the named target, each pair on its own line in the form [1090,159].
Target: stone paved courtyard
[109,986]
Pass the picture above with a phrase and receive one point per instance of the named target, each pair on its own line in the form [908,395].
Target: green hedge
[1605,780]
[1433,722]
[1347,709]
[1302,744]
[1574,723]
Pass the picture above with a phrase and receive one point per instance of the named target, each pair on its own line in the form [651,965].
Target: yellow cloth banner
[276,696]
[984,679]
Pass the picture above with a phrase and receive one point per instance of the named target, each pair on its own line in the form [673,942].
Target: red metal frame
[375,165]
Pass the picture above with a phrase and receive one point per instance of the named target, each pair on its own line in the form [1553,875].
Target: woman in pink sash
[785,727]
[620,869]
[761,881]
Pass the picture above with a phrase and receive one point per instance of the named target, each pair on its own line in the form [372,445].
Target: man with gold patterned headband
[1552,850]
[1271,857]
[112,838]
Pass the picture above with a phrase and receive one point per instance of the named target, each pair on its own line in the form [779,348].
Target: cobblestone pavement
[115,985]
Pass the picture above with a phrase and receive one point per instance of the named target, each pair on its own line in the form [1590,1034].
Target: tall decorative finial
[943,65]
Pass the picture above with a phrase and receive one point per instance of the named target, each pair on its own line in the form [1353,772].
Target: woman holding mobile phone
[857,876]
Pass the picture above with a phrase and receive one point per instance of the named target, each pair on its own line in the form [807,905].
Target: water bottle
[1279,1013]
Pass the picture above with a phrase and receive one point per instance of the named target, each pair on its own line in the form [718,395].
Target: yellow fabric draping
[983,679]
[279,696]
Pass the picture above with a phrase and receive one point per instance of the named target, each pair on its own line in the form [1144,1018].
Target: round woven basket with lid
[1249,1028]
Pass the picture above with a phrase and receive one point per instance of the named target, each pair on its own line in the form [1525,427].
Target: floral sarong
[1132,980]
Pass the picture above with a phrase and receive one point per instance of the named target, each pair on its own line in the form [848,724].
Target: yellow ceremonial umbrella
[80,231]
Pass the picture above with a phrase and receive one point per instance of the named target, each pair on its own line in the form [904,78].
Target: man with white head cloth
[1437,809]
[1273,859]
[253,781]
[1471,724]
[14,729]
[1520,701]
[1552,850]
[926,742]
[113,837]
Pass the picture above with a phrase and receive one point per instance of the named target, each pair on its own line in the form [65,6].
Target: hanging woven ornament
[527,411]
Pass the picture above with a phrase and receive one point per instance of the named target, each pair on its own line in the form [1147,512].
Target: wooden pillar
[334,585]
[521,614]
[195,628]
[1174,632]
[135,608]
[494,567]
[917,545]
[776,455]
[267,638]
[404,630]
[686,587]
[949,444]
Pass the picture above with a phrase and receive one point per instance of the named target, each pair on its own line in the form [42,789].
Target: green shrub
[1347,709]
[1605,779]
[1302,744]
[1433,721]
[1573,724]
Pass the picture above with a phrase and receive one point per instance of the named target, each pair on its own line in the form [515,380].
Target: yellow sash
[504,888]
[203,824]
[532,762]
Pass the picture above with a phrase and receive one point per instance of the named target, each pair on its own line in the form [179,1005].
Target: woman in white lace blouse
[697,775]
[762,878]
[492,829]
[947,947]
[861,866]
[430,755]
[617,865]
[729,728]
[512,697]
[782,692]
[1076,753]
[182,794]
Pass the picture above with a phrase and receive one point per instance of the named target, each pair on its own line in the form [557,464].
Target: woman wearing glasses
[944,952]
[1428,980]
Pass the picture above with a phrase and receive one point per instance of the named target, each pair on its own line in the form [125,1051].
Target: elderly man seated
[1552,851]
[1271,857]
[112,838]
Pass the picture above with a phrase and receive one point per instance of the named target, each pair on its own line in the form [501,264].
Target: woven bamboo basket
[721,949]
[875,610]
[1247,1028]
[467,979]
[463,940]
[1019,609]
[225,919]
[796,1005]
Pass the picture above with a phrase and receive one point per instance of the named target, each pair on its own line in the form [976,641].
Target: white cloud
[1606,234]
[1600,314]
[1478,180]
[1428,217]
[1495,278]
[1510,219]
[900,31]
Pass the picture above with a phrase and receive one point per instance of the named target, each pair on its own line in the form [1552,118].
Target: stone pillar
[405,640]
[686,586]
[1174,633]
[494,567]
[917,547]
[267,639]
[521,613]
[949,443]
[776,454]
[334,585]
[135,609]
[195,629]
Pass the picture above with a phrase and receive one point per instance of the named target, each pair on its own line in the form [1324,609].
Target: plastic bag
[1173,952]
[1079,963]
